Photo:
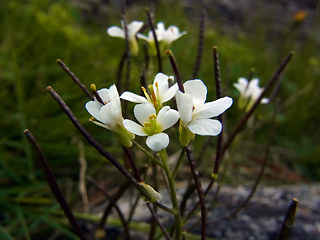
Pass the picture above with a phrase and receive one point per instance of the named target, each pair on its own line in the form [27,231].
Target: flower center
[152,127]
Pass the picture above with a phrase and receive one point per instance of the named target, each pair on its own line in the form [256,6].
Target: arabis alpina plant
[249,92]
[152,124]
[133,29]
[160,92]
[106,110]
[196,114]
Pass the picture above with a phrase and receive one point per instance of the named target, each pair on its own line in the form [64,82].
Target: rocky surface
[260,219]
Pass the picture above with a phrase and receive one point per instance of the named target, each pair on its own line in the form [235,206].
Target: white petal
[241,85]
[205,127]
[213,109]
[185,106]
[162,81]
[265,100]
[158,141]
[113,94]
[93,107]
[141,36]
[169,93]
[132,97]
[104,95]
[111,114]
[133,127]
[115,32]
[160,26]
[197,90]
[134,27]
[167,117]
[143,111]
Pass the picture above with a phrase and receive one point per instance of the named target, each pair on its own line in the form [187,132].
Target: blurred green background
[34,33]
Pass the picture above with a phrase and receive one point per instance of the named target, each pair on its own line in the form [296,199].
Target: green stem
[176,167]
[145,151]
[173,195]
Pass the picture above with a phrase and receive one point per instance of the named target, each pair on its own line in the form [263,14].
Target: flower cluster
[154,118]
[249,92]
[164,36]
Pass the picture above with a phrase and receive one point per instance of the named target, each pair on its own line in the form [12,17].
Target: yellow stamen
[146,94]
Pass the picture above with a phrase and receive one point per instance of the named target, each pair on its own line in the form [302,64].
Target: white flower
[107,110]
[249,91]
[152,125]
[164,37]
[133,29]
[195,114]
[160,92]
[169,35]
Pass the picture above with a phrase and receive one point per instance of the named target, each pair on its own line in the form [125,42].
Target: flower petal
[265,100]
[113,94]
[241,85]
[213,109]
[132,97]
[169,93]
[205,127]
[133,127]
[197,90]
[111,114]
[158,141]
[134,27]
[162,81]
[104,95]
[167,117]
[143,111]
[115,31]
[185,106]
[93,107]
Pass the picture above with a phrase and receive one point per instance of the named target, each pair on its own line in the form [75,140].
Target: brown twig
[197,182]
[274,79]
[242,123]
[288,220]
[200,45]
[54,186]
[75,79]
[150,21]
[175,70]
[114,204]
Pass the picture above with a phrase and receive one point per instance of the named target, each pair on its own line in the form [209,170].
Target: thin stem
[197,182]
[217,75]
[74,78]
[158,222]
[54,186]
[150,21]
[173,195]
[115,205]
[133,164]
[200,45]
[120,70]
[145,151]
[176,167]
[102,151]
[108,209]
[288,220]
[175,70]
[242,123]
